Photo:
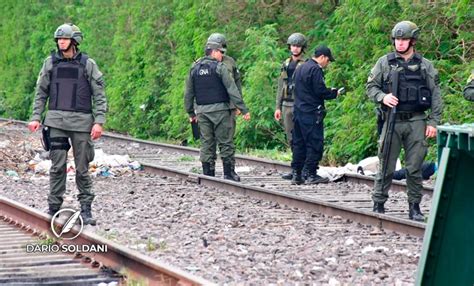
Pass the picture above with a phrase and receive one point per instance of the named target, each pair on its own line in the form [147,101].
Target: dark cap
[323,50]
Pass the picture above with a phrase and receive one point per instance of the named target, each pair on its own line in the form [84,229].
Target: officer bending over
[309,112]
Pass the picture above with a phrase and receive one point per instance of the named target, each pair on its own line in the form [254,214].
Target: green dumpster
[447,257]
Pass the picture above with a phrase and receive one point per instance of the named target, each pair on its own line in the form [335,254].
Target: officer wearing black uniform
[309,112]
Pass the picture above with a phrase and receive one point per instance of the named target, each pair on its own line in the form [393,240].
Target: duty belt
[406,115]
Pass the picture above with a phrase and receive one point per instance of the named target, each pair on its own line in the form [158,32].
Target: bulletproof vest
[70,89]
[208,86]
[413,92]
[287,72]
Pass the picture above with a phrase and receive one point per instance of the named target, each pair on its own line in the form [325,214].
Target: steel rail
[135,266]
[331,209]
[248,160]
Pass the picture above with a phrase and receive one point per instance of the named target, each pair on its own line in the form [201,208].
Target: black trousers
[308,141]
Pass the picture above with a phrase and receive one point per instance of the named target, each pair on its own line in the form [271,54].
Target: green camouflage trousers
[83,150]
[215,128]
[287,115]
[411,136]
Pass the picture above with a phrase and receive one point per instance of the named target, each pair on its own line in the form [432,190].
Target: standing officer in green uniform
[284,98]
[418,91]
[74,87]
[210,90]
[231,65]
[469,89]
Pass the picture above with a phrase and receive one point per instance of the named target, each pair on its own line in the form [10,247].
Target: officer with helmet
[210,90]
[73,86]
[418,107]
[285,92]
[231,65]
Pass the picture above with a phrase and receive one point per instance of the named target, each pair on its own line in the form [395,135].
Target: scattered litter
[370,248]
[12,173]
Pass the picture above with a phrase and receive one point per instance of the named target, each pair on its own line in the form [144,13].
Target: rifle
[387,140]
[195,129]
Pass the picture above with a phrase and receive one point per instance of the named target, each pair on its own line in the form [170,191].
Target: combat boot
[414,212]
[234,174]
[287,176]
[213,169]
[206,169]
[229,173]
[297,178]
[316,179]
[305,173]
[53,209]
[379,208]
[86,214]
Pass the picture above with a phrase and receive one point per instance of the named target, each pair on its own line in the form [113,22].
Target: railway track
[22,227]
[348,198]
[333,235]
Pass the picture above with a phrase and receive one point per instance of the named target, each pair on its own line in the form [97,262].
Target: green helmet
[69,31]
[215,46]
[405,30]
[297,39]
[217,38]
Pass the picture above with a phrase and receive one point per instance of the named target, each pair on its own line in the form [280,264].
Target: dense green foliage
[145,49]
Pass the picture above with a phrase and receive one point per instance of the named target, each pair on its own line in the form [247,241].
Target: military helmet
[297,39]
[405,30]
[215,46]
[217,38]
[69,31]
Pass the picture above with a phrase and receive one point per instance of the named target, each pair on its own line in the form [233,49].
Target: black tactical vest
[413,92]
[208,86]
[288,69]
[70,89]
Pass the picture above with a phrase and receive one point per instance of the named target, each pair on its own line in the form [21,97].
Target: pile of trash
[103,165]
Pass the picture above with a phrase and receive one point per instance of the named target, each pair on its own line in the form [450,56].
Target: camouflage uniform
[284,97]
[231,65]
[70,126]
[410,127]
[469,89]
[215,119]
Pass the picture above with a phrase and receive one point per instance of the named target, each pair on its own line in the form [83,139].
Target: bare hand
[237,111]
[34,125]
[193,119]
[246,116]
[96,131]
[277,115]
[430,132]
[390,100]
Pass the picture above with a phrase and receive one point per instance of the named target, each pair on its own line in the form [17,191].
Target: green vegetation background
[145,49]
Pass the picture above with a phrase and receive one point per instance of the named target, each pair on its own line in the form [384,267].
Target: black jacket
[310,89]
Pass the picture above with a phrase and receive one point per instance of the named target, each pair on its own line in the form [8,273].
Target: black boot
[53,209]
[206,169]
[305,173]
[234,174]
[379,208]
[316,179]
[86,214]
[287,176]
[297,178]
[212,170]
[229,173]
[414,212]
